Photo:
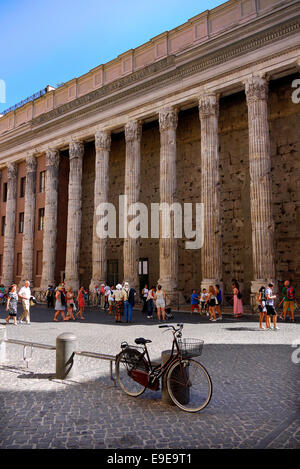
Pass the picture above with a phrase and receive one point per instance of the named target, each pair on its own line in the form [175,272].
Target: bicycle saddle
[141,340]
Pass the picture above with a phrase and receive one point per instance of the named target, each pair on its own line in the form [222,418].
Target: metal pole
[65,350]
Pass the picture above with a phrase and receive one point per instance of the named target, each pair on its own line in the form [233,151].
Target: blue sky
[50,42]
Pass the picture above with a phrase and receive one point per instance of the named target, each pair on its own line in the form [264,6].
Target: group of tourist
[209,302]
[12,298]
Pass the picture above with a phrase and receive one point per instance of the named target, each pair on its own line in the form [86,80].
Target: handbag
[32,301]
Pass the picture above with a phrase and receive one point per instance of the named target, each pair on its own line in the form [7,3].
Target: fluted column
[168,249]
[260,183]
[133,135]
[50,225]
[29,212]
[211,254]
[10,225]
[76,150]
[99,250]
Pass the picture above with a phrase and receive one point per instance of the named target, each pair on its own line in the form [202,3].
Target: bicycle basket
[190,347]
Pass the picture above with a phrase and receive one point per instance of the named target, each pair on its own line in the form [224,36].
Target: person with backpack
[60,304]
[288,300]
[262,301]
[237,300]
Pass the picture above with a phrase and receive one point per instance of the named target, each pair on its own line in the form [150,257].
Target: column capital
[30,162]
[76,149]
[102,140]
[256,89]
[12,170]
[52,157]
[133,131]
[168,118]
[209,104]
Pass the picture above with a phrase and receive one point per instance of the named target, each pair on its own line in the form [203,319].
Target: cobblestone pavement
[255,402]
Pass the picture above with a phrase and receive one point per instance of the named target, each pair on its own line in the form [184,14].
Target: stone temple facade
[208,112]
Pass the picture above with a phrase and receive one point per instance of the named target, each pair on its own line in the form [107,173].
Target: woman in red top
[81,302]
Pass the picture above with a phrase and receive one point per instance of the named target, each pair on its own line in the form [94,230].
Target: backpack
[263,295]
[290,293]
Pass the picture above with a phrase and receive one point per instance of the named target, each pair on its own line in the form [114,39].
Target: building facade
[208,112]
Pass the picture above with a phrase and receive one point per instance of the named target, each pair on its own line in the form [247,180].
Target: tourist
[60,303]
[131,302]
[203,301]
[25,294]
[144,296]
[289,301]
[211,302]
[160,301]
[125,292]
[81,302]
[270,307]
[119,305]
[106,295]
[70,304]
[262,299]
[12,304]
[237,300]
[102,296]
[3,295]
[150,303]
[194,301]
[111,300]
[50,296]
[219,301]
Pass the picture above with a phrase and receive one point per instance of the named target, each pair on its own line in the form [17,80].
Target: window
[19,264]
[39,262]
[21,222]
[112,272]
[22,186]
[42,181]
[2,226]
[41,219]
[5,192]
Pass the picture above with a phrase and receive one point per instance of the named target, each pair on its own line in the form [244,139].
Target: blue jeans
[127,311]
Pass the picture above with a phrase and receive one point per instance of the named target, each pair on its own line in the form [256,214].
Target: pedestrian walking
[262,301]
[70,304]
[270,307]
[194,301]
[203,301]
[144,296]
[150,303]
[219,301]
[160,301]
[12,304]
[50,296]
[106,295]
[119,305]
[25,295]
[102,296]
[289,301]
[131,302]
[211,302]
[60,304]
[81,302]
[237,300]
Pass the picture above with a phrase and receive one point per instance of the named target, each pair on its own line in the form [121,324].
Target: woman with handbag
[237,300]
[70,304]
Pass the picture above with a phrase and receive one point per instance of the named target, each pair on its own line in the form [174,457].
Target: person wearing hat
[119,305]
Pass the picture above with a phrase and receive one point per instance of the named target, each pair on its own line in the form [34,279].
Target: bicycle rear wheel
[189,385]
[128,360]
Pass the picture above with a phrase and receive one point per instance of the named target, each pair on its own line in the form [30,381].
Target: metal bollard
[2,344]
[182,394]
[65,350]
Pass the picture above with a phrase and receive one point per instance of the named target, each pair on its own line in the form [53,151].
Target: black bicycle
[188,382]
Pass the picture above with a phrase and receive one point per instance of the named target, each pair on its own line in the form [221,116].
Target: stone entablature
[162,53]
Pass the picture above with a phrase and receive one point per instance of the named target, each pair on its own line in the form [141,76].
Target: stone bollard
[2,344]
[181,394]
[65,349]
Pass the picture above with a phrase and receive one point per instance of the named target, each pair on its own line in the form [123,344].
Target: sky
[49,42]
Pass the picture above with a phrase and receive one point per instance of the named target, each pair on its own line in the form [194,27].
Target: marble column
[168,249]
[10,226]
[99,250]
[76,150]
[133,135]
[260,183]
[50,225]
[211,253]
[29,219]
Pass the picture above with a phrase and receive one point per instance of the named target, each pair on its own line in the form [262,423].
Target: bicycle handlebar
[180,326]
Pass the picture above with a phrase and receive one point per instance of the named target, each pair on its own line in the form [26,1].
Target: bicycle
[188,382]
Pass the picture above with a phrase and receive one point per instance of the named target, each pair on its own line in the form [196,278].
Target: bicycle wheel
[189,385]
[128,360]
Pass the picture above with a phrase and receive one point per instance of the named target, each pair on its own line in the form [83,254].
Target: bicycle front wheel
[128,360]
[189,385]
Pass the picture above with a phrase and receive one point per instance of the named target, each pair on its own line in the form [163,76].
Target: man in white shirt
[25,294]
